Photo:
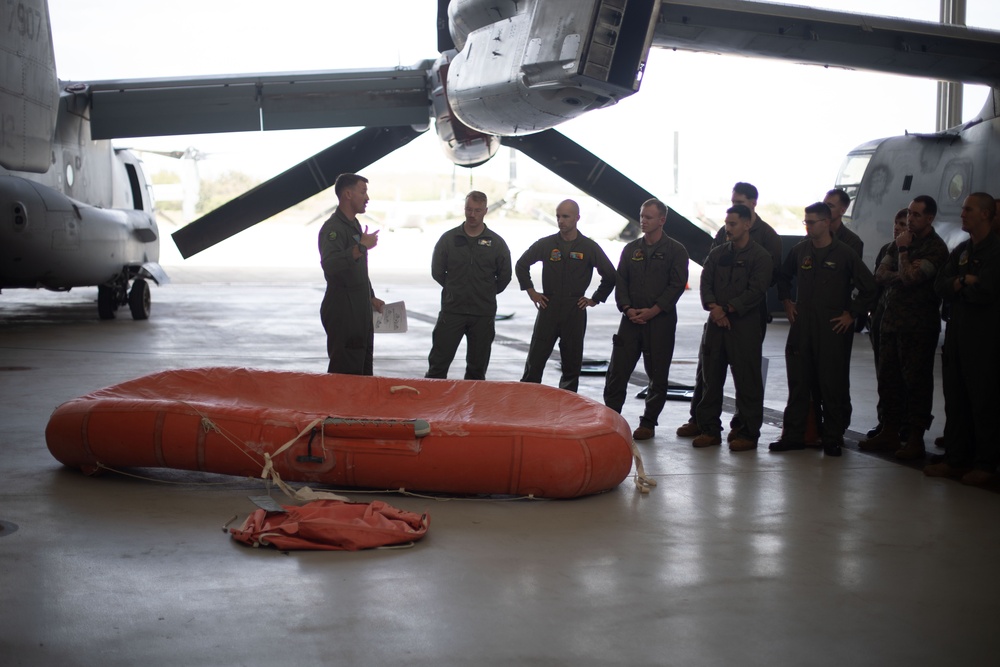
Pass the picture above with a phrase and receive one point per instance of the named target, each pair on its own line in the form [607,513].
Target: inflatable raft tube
[449,436]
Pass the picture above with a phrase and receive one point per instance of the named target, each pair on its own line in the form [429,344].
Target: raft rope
[228,482]
[306,494]
[642,481]
[303,494]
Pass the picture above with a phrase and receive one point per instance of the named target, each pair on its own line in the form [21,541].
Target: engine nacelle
[548,62]
[461,144]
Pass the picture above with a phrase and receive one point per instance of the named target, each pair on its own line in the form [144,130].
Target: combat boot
[914,447]
[886,440]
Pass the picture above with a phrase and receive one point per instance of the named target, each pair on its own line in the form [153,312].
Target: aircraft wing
[294,100]
[839,39]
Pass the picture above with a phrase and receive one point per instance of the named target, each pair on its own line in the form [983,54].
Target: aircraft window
[20,215]
[133,179]
[956,187]
[853,169]
[70,175]
[956,181]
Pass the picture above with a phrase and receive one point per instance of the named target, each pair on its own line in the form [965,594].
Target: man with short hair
[761,233]
[734,281]
[875,324]
[347,306]
[472,265]
[568,262]
[909,330]
[818,350]
[839,201]
[652,276]
[969,283]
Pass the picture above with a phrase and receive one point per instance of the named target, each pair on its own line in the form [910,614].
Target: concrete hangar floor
[733,559]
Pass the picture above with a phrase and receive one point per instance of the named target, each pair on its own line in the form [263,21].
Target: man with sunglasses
[818,349]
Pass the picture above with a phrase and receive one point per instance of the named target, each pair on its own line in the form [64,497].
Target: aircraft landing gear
[139,301]
[111,296]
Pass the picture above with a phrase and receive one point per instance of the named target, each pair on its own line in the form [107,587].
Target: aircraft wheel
[139,301]
[106,305]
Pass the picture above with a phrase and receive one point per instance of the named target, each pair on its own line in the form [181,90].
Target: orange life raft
[451,436]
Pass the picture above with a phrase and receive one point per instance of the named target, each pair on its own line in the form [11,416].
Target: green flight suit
[736,278]
[648,275]
[346,311]
[818,359]
[567,270]
[472,270]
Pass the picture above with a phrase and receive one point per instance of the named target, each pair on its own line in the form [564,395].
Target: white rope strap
[305,494]
[642,481]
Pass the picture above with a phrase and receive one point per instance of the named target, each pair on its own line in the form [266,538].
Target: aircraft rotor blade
[292,186]
[571,161]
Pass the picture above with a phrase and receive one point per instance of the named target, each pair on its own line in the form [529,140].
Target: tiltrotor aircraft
[76,212]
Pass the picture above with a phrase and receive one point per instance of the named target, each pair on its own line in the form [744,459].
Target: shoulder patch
[555,255]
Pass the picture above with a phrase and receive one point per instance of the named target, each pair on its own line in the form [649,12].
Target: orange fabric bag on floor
[332,525]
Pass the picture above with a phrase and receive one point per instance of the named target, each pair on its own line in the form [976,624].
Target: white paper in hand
[392,319]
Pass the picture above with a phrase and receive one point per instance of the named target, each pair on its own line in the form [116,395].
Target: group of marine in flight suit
[835,292]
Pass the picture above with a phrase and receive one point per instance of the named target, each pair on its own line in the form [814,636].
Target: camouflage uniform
[875,322]
[911,324]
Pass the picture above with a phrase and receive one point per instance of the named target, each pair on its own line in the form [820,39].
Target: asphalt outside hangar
[732,559]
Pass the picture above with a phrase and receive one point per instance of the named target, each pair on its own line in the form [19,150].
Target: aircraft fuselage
[88,220]
[948,166]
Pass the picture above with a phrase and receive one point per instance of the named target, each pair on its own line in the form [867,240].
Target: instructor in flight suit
[734,281]
[472,265]
[818,349]
[652,275]
[568,262]
[347,307]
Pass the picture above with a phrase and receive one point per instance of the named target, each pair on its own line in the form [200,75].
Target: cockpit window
[851,172]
